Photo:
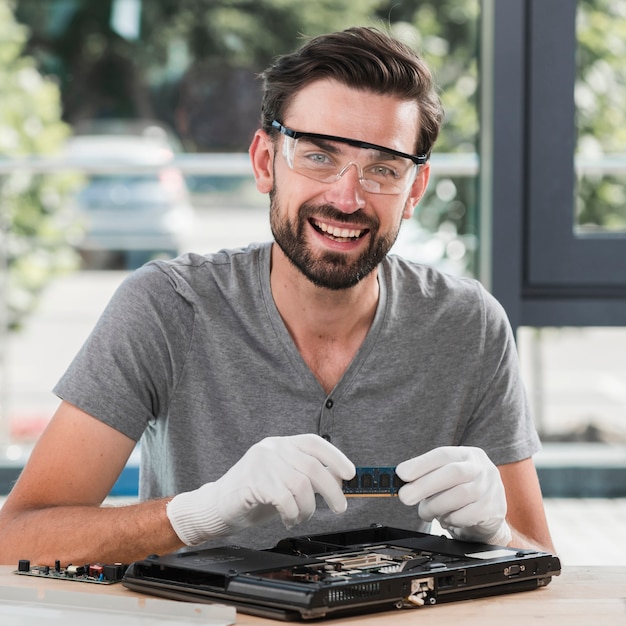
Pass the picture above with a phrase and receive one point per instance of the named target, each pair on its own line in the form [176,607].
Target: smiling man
[256,379]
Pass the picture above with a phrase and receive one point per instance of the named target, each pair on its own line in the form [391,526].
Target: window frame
[546,274]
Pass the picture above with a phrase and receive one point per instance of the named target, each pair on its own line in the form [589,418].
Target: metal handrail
[208,164]
[237,164]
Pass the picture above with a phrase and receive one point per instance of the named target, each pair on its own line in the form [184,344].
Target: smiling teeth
[341,233]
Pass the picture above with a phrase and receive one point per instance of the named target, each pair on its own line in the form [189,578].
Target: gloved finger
[436,482]
[294,499]
[327,486]
[319,479]
[285,490]
[327,454]
[452,500]
[415,468]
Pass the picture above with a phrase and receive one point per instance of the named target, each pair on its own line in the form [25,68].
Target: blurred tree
[445,33]
[31,206]
[199,59]
[601,118]
[193,64]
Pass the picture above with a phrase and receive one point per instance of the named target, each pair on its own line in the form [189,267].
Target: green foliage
[31,205]
[444,32]
[246,33]
[601,116]
[196,61]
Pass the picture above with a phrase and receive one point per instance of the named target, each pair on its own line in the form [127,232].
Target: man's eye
[383,171]
[318,158]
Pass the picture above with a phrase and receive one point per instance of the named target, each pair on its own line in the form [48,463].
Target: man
[257,378]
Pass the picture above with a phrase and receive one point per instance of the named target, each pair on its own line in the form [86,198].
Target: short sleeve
[127,369]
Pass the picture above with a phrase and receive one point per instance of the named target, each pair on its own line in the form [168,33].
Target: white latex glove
[462,489]
[276,475]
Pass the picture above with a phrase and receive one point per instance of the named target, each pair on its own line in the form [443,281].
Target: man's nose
[346,192]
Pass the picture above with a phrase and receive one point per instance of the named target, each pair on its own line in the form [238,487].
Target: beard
[331,270]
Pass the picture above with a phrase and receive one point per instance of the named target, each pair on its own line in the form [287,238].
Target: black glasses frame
[418,159]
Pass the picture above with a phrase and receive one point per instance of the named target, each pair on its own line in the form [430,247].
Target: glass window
[575,378]
[137,149]
[600,93]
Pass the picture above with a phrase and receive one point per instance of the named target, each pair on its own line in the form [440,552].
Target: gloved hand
[276,475]
[461,488]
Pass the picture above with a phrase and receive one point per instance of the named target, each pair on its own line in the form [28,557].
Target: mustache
[328,211]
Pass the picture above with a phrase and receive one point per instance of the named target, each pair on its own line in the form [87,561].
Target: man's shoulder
[195,278]
[409,282]
[423,293]
[406,274]
[237,257]
[198,268]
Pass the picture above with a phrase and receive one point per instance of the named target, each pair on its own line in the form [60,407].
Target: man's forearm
[518,540]
[84,534]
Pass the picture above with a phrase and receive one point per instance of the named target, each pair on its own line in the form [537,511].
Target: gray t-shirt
[192,357]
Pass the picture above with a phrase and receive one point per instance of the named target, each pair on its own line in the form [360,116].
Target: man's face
[336,233]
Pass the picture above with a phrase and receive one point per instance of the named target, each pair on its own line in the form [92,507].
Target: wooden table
[580,596]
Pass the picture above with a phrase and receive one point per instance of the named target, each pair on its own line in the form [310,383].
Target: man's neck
[327,326]
[317,311]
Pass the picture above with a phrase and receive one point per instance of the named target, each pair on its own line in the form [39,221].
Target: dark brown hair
[361,58]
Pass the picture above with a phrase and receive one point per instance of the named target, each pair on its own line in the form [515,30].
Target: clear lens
[327,161]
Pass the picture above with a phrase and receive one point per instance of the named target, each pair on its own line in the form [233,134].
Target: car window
[124,192]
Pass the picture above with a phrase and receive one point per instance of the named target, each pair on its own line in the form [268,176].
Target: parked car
[135,206]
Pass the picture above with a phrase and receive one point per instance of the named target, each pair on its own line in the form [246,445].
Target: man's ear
[417,190]
[261,153]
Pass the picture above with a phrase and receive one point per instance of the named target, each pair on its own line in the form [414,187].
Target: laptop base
[354,571]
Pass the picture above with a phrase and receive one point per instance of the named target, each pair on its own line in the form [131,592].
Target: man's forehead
[332,108]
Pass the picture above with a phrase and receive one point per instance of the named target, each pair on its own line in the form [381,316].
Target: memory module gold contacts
[373,482]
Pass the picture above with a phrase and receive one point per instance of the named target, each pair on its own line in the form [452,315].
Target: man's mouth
[338,234]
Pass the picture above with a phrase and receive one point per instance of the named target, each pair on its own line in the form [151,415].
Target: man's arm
[525,511]
[54,511]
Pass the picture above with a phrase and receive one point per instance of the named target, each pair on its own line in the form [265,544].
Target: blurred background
[124,126]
